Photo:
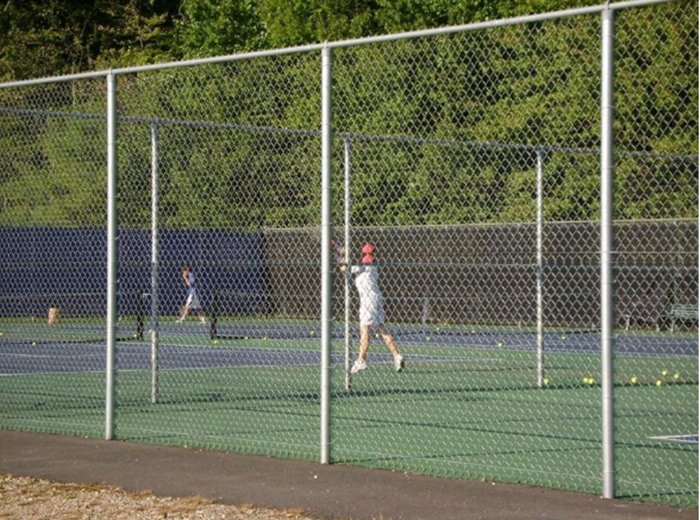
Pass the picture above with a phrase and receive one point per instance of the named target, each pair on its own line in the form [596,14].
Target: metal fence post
[112,251]
[540,275]
[606,252]
[326,235]
[155,253]
[348,166]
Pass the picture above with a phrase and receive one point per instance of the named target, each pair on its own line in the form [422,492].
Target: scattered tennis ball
[659,383]
[500,343]
[676,376]
[216,342]
[246,337]
[33,343]
[437,329]
[377,335]
[135,336]
[312,332]
[2,333]
[664,372]
[591,381]
[546,381]
[563,337]
[265,338]
[427,338]
[634,380]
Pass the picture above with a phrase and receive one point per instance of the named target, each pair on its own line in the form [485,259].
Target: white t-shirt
[371,300]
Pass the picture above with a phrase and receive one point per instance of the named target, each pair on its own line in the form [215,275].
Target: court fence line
[475,222]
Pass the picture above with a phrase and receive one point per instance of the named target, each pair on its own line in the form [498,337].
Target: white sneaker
[398,363]
[203,321]
[180,320]
[360,364]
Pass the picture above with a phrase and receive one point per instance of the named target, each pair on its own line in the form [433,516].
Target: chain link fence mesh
[470,161]
[52,293]
[236,166]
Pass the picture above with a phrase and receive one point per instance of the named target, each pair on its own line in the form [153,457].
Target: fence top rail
[349,136]
[514,224]
[489,24]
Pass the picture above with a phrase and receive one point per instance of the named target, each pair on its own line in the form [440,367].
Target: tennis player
[371,309]
[192,301]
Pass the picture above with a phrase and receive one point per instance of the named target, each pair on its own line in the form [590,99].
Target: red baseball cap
[367,253]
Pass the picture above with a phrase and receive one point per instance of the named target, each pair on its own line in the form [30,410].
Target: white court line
[689,439]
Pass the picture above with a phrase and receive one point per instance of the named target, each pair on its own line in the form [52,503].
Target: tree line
[444,130]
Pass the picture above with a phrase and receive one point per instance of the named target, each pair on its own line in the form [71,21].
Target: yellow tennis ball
[500,343]
[634,380]
[216,342]
[676,376]
[563,337]
[546,381]
[664,372]
[591,381]
[585,380]
[33,343]
[659,383]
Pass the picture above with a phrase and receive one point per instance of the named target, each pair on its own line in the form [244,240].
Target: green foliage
[459,118]
[61,181]
[47,38]
[298,22]
[213,27]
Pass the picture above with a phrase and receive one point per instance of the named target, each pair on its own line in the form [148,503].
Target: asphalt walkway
[331,491]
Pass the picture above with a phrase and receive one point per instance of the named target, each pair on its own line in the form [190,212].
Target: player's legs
[195,304]
[364,341]
[185,313]
[388,339]
[361,361]
[186,308]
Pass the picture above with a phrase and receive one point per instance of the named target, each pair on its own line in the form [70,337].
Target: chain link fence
[469,159]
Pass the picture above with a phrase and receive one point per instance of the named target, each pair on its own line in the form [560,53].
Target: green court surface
[460,412]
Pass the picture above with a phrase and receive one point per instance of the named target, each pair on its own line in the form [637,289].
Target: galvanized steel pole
[607,321]
[155,253]
[347,200]
[112,252]
[326,236]
[540,274]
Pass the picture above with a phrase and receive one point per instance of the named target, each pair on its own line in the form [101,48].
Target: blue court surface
[190,346]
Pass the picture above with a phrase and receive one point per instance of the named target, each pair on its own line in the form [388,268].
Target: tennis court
[461,396]
[539,276]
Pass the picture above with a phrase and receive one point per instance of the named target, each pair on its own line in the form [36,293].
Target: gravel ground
[24,498]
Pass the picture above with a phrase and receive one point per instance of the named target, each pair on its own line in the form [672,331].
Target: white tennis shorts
[193,301]
[371,310]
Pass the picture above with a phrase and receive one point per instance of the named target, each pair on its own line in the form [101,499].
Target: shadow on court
[332,491]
